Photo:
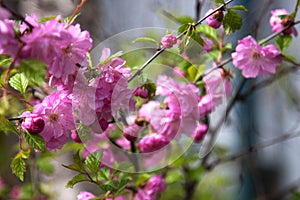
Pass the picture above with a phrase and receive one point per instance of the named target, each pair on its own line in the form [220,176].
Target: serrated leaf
[19,82]
[111,185]
[93,161]
[34,70]
[104,173]
[76,179]
[238,7]
[5,61]
[232,21]
[283,41]
[145,39]
[35,141]
[7,126]
[18,166]
[208,31]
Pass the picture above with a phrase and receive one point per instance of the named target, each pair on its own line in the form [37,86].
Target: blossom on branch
[56,111]
[214,20]
[279,19]
[254,59]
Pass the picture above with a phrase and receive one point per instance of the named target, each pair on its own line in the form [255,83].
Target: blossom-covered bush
[131,135]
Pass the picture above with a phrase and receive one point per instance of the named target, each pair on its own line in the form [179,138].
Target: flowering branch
[157,53]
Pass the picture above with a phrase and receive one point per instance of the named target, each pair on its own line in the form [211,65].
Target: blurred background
[265,114]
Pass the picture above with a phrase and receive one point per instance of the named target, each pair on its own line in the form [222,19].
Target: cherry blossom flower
[84,195]
[33,123]
[168,41]
[200,132]
[59,45]
[255,60]
[156,184]
[279,23]
[4,13]
[214,20]
[8,43]
[152,142]
[56,111]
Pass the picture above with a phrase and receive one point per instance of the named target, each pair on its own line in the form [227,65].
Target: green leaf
[77,160]
[73,167]
[208,31]
[191,72]
[18,166]
[93,161]
[283,41]
[220,1]
[34,70]
[74,18]
[289,57]
[123,183]
[145,39]
[45,19]
[76,179]
[232,21]
[185,19]
[238,7]
[19,82]
[183,27]
[111,185]
[104,173]
[5,61]
[35,141]
[6,126]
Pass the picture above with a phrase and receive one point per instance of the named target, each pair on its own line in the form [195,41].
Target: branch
[178,37]
[279,194]
[76,11]
[251,149]
[267,82]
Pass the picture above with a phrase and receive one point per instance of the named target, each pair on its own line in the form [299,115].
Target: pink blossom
[218,86]
[214,20]
[200,132]
[75,137]
[83,195]
[33,123]
[142,195]
[207,44]
[278,23]
[254,59]
[131,132]
[152,142]
[168,41]
[156,184]
[59,45]
[16,192]
[56,111]
[4,14]
[205,105]
[178,72]
[8,43]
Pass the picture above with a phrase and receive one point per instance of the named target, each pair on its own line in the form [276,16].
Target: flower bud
[168,41]
[75,137]
[131,132]
[215,20]
[141,92]
[33,123]
[200,132]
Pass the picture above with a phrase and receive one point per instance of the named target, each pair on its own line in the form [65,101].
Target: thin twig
[252,148]
[76,11]
[157,53]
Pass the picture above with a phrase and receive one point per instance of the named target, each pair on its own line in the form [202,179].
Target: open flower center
[256,55]
[53,117]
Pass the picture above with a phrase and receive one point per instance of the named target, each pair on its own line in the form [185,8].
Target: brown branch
[76,11]
[252,148]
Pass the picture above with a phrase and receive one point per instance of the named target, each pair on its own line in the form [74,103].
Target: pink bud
[141,92]
[33,123]
[200,132]
[131,132]
[75,137]
[168,41]
[215,20]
